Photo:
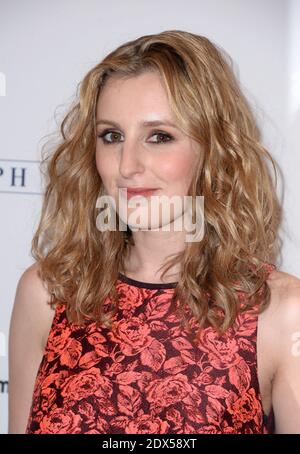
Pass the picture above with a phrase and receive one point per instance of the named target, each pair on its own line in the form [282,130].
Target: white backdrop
[48,46]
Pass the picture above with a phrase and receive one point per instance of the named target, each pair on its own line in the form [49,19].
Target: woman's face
[139,155]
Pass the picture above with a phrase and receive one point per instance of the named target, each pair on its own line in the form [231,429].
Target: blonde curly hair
[80,264]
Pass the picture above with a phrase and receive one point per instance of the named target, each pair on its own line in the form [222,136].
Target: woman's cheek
[178,167]
[106,166]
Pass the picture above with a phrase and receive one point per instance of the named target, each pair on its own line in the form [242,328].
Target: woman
[205,342]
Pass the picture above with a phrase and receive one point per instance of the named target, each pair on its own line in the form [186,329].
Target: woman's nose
[131,161]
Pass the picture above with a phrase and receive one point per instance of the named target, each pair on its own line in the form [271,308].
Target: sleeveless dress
[145,376]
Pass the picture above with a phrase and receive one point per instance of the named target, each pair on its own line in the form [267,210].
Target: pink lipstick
[132,192]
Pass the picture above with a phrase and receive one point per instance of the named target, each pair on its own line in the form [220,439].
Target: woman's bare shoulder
[281,280]
[282,314]
[285,292]
[31,285]
[31,303]
[30,323]
[282,325]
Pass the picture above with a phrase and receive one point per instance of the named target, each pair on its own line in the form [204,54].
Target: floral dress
[145,375]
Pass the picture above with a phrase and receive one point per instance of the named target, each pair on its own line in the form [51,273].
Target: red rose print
[71,354]
[57,342]
[145,380]
[157,325]
[86,383]
[214,411]
[240,376]
[129,298]
[105,407]
[175,365]
[48,398]
[203,379]
[48,380]
[147,424]
[86,410]
[131,335]
[245,407]
[61,422]
[245,326]
[175,417]
[114,369]
[102,425]
[209,429]
[168,391]
[180,343]
[96,338]
[91,358]
[223,350]
[158,307]
[126,378]
[129,400]
[60,379]
[216,391]
[153,355]
[145,375]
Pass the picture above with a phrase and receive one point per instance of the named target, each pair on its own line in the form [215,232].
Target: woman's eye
[163,137]
[105,133]
[162,134]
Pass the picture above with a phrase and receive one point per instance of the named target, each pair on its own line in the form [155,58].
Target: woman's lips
[138,192]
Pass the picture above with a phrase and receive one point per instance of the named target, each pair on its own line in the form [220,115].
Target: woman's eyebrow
[142,123]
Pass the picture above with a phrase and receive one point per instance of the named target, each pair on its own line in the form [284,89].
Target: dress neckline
[147,285]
